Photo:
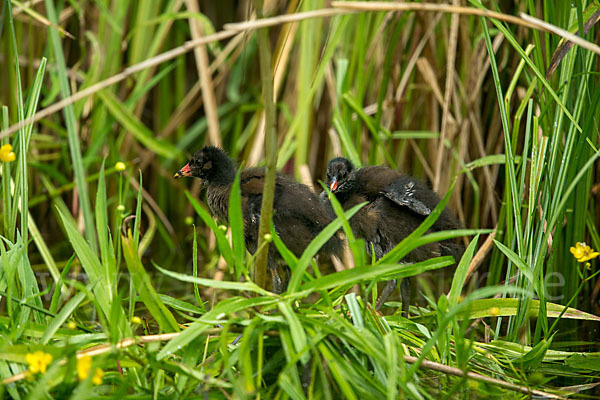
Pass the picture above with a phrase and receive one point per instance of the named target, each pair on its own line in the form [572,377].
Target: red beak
[334,185]
[185,171]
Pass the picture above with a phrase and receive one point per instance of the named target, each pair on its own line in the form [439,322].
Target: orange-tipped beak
[185,171]
[334,185]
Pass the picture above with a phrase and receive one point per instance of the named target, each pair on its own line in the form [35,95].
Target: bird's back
[398,204]
[298,216]
[380,181]
[372,180]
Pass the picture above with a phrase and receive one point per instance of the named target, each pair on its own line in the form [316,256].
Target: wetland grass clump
[115,280]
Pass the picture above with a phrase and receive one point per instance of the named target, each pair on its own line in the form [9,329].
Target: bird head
[339,172]
[210,164]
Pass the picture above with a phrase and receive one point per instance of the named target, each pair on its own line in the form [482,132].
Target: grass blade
[314,247]
[144,287]
[73,137]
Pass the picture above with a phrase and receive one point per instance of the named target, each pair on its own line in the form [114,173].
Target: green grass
[129,266]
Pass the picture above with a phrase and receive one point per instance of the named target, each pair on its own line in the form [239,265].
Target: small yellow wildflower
[84,365]
[120,166]
[136,320]
[6,153]
[97,378]
[582,252]
[494,311]
[38,361]
[268,237]
[71,325]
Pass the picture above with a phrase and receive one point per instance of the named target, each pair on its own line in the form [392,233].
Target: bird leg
[404,293]
[287,277]
[277,285]
[387,291]
[306,377]
[280,282]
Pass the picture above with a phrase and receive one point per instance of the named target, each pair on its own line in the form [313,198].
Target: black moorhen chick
[298,215]
[398,204]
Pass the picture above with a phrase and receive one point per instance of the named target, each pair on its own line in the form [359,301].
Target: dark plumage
[398,204]
[298,215]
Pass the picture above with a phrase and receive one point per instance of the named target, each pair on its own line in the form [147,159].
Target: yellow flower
[120,166]
[97,378]
[6,153]
[582,252]
[136,320]
[38,361]
[84,365]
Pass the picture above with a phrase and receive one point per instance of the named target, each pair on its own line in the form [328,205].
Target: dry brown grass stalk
[282,58]
[159,59]
[542,25]
[483,251]
[341,8]
[432,7]
[481,378]
[451,58]
[39,18]
[414,58]
[208,92]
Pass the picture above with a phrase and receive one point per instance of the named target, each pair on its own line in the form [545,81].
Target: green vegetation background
[502,117]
